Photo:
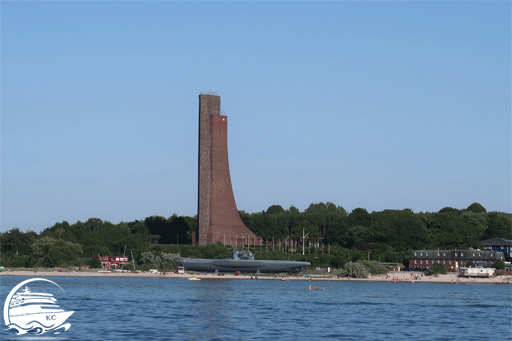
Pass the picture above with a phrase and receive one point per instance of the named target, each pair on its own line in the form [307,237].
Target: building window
[462,254]
[427,254]
[415,261]
[415,253]
[444,253]
[456,254]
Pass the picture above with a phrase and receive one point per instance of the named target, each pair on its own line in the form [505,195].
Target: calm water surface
[178,309]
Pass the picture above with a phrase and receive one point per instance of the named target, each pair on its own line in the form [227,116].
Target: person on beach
[316,287]
[310,287]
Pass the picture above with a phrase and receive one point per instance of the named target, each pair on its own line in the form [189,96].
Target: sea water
[177,309]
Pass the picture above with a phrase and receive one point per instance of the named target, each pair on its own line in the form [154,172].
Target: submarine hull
[247,266]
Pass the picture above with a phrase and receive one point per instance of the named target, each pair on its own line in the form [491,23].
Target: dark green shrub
[161,261]
[94,263]
[17,261]
[375,268]
[338,261]
[355,270]
[436,269]
[499,265]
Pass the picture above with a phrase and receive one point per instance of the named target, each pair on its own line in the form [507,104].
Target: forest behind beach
[333,237]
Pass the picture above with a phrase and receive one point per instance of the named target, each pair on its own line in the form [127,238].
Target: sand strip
[398,277]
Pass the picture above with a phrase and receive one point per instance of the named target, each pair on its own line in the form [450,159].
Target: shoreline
[397,277]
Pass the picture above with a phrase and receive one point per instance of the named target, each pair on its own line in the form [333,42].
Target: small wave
[57,330]
[20,330]
[37,328]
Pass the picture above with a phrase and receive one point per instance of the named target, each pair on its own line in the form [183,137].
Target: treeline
[389,234]
[64,244]
[334,236]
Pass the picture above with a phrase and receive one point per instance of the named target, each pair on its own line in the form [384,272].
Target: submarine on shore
[242,261]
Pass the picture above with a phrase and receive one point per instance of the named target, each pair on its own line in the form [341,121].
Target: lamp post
[303,240]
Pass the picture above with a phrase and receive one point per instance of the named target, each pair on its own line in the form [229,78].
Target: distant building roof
[496,241]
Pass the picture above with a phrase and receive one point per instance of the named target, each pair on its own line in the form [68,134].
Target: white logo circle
[34,312]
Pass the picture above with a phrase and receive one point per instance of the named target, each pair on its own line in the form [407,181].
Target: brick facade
[452,259]
[218,218]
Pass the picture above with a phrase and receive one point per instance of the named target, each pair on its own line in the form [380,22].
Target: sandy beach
[398,277]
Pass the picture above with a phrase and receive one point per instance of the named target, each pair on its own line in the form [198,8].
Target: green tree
[158,225]
[275,209]
[437,268]
[326,217]
[499,265]
[16,261]
[499,225]
[149,260]
[58,231]
[375,268]
[470,264]
[355,270]
[50,252]
[449,210]
[215,251]
[337,261]
[476,208]
[294,221]
[94,263]
[359,216]
[16,242]
[472,228]
[162,260]
[94,224]
[358,235]
[450,230]
[192,226]
[137,227]
[179,230]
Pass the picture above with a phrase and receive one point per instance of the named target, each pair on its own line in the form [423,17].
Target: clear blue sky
[379,105]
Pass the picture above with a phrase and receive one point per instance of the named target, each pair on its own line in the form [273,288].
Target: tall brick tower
[217,213]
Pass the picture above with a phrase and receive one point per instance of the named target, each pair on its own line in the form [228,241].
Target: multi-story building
[452,259]
[498,245]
